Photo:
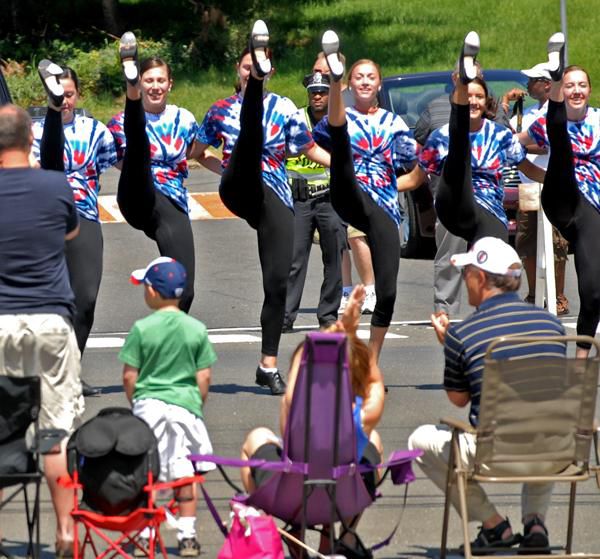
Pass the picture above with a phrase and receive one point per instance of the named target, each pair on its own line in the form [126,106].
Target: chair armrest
[458,424]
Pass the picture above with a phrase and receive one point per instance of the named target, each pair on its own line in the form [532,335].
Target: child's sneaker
[369,305]
[189,547]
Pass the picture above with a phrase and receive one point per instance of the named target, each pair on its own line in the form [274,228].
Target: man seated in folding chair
[166,374]
[492,275]
[368,391]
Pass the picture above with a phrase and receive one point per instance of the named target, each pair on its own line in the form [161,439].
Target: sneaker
[259,42]
[369,304]
[128,56]
[287,328]
[537,542]
[189,547]
[272,380]
[64,550]
[489,540]
[556,56]
[49,73]
[562,305]
[343,303]
[466,63]
[330,45]
[89,390]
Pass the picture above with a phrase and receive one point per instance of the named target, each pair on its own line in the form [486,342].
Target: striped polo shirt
[501,315]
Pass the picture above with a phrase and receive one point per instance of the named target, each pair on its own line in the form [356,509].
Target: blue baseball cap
[164,274]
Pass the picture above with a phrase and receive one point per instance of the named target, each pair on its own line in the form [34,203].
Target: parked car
[408,96]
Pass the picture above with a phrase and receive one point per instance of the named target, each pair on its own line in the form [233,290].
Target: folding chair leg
[447,501]
[464,515]
[571,518]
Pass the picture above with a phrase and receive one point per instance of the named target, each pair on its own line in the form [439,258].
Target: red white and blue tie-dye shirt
[170,134]
[89,151]
[284,133]
[585,142]
[493,147]
[381,145]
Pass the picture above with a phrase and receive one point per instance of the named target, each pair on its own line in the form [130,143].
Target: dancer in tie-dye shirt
[571,193]
[369,145]
[468,154]
[256,128]
[83,148]
[154,141]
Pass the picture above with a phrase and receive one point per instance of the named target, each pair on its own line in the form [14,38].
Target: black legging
[355,207]
[575,218]
[244,193]
[455,202]
[84,252]
[148,210]
[84,261]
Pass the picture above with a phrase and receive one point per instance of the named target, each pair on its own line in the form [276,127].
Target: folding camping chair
[318,480]
[20,401]
[113,461]
[534,412]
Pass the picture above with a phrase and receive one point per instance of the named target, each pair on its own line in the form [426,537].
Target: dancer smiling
[82,148]
[468,154]
[154,141]
[368,146]
[571,193]
[255,129]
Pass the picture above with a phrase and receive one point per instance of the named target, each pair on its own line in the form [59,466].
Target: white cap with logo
[539,71]
[491,255]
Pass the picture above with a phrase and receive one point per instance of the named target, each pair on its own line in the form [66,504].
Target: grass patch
[407,36]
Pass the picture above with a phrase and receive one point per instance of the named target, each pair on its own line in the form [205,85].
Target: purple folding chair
[318,480]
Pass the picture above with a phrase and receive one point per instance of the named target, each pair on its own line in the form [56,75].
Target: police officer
[313,211]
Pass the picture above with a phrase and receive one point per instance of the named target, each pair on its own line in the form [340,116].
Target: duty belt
[302,190]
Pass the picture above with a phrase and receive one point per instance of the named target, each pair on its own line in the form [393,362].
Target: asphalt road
[228,299]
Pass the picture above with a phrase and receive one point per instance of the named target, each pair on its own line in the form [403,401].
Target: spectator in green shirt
[167,361]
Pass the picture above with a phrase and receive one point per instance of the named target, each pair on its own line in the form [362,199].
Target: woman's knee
[257,438]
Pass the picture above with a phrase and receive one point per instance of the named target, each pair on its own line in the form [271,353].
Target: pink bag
[252,536]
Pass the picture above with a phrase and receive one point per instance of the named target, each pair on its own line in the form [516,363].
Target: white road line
[115,342]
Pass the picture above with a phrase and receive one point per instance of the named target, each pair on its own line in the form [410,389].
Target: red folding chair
[113,462]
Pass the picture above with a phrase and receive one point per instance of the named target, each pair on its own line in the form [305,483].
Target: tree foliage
[201,27]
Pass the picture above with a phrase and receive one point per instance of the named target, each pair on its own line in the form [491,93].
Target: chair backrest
[537,409]
[112,454]
[319,433]
[19,408]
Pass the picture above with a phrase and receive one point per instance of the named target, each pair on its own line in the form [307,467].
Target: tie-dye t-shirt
[492,147]
[170,134]
[284,133]
[89,151]
[585,142]
[381,145]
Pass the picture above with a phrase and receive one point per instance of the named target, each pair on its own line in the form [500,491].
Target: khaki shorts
[354,233]
[45,345]
[526,240]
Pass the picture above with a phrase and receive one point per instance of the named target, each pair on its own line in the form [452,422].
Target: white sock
[370,289]
[187,527]
[146,532]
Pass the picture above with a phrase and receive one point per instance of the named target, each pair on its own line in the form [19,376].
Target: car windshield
[409,97]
